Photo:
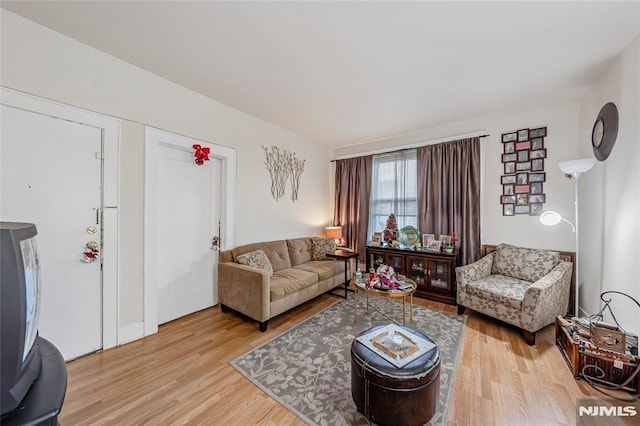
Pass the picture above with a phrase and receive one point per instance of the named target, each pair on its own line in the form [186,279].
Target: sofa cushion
[322,246]
[324,270]
[524,263]
[300,250]
[500,289]
[287,281]
[276,251]
[256,259]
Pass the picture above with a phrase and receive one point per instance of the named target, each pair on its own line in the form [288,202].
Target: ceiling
[342,73]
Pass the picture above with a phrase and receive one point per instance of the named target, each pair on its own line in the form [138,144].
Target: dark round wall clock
[605,131]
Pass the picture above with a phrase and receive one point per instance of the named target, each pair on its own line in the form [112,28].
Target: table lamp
[334,232]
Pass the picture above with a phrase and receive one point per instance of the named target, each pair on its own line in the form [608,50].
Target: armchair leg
[263,325]
[461,309]
[529,337]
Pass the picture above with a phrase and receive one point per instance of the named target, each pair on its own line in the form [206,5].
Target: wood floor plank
[181,375]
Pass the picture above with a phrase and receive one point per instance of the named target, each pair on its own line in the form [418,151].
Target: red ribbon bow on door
[201,154]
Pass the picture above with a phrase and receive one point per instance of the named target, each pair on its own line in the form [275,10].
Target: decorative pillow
[524,263]
[256,259]
[322,246]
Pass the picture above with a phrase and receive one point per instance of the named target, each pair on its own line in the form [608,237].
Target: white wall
[610,194]
[44,63]
[562,122]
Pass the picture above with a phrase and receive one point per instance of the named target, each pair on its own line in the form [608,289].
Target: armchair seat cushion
[500,289]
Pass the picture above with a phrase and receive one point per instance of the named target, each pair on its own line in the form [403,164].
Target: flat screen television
[19,310]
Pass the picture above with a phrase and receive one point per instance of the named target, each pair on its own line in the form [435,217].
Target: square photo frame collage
[523,154]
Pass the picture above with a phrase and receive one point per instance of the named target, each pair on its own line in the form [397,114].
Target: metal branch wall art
[283,165]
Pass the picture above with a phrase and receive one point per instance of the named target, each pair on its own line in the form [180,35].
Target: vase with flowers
[452,243]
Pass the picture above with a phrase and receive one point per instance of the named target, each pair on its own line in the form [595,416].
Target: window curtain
[352,191]
[393,190]
[449,193]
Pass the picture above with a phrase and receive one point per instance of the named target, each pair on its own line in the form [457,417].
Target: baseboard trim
[131,332]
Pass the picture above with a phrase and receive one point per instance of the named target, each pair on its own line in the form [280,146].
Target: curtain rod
[418,145]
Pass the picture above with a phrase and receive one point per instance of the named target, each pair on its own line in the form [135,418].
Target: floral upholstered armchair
[521,286]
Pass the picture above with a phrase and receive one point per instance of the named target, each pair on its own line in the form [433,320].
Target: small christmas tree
[391,230]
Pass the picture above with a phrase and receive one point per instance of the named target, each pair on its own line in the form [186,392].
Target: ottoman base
[388,395]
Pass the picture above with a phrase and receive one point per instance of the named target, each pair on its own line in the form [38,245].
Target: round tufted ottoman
[389,395]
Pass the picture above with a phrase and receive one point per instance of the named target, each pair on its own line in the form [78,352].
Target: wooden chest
[578,356]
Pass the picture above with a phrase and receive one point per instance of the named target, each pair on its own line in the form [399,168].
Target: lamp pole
[575,168]
[576,176]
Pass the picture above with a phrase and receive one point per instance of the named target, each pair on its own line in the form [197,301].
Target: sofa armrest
[547,298]
[472,272]
[245,290]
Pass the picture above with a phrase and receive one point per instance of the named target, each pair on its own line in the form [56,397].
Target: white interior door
[51,175]
[188,210]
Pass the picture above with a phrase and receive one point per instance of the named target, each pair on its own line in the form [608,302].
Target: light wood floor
[181,375]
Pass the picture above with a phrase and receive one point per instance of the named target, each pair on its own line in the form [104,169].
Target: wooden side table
[346,256]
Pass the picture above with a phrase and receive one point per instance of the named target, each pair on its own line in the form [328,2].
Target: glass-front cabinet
[433,272]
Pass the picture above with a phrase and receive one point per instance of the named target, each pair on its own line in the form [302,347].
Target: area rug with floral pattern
[307,368]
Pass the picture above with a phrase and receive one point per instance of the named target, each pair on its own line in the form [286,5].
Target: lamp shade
[333,232]
[550,218]
[577,166]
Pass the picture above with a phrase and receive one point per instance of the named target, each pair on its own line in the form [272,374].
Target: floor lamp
[574,168]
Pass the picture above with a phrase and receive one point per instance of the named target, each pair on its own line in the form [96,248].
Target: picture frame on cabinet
[427,238]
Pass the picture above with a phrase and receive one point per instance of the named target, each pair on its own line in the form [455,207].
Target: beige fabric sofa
[296,279]
[521,286]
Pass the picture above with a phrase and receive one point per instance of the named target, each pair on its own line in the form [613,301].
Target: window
[393,190]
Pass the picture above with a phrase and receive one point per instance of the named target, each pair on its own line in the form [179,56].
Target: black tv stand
[43,402]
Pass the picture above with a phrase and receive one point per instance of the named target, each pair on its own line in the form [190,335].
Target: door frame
[153,139]
[110,128]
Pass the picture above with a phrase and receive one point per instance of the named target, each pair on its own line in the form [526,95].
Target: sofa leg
[529,337]
[263,325]
[461,309]
[224,308]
